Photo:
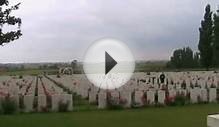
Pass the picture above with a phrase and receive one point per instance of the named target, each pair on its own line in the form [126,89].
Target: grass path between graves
[187,116]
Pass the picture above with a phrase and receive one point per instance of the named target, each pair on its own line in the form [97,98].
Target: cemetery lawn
[186,116]
[28,72]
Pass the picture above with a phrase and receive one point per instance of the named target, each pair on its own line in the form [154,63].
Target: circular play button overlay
[108,63]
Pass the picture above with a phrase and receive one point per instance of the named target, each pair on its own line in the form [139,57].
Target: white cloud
[61,30]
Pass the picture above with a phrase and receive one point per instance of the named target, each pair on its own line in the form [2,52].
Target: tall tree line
[184,58]
[216,39]
[208,55]
[209,39]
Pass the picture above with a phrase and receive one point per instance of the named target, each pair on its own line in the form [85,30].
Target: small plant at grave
[113,103]
[156,97]
[21,103]
[159,105]
[49,101]
[148,73]
[148,103]
[35,103]
[170,101]
[123,101]
[44,109]
[58,76]
[78,100]
[183,85]
[63,106]
[201,101]
[144,99]
[20,76]
[8,105]
[180,100]
[213,86]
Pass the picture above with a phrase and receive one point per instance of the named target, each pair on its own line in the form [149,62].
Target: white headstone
[194,94]
[161,97]
[212,95]
[28,103]
[67,98]
[56,98]
[204,95]
[102,102]
[139,98]
[126,97]
[41,102]
[92,97]
[150,97]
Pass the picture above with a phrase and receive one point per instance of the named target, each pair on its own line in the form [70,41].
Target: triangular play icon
[109,62]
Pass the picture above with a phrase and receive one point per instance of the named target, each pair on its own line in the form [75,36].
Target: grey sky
[61,30]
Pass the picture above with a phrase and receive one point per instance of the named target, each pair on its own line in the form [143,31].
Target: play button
[108,63]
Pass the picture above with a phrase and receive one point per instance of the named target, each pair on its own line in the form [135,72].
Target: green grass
[28,72]
[187,116]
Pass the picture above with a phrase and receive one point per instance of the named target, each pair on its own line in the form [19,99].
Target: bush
[63,107]
[170,101]
[159,105]
[58,76]
[180,100]
[21,103]
[114,103]
[9,106]
[20,76]
[201,101]
[35,103]
[44,109]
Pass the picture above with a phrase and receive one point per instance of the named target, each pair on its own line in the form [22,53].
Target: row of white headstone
[199,84]
[148,97]
[24,90]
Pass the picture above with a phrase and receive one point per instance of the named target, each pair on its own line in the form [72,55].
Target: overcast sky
[62,30]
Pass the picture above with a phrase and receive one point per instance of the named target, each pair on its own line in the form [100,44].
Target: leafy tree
[176,59]
[7,19]
[216,40]
[187,57]
[184,58]
[205,40]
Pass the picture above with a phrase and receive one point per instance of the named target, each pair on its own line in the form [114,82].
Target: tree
[187,57]
[7,19]
[205,39]
[216,40]
[184,58]
[176,59]
[196,60]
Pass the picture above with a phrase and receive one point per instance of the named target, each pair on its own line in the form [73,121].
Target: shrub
[78,100]
[180,100]
[20,76]
[114,103]
[63,107]
[21,103]
[35,103]
[159,105]
[170,101]
[9,106]
[201,101]
[58,76]
[44,109]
